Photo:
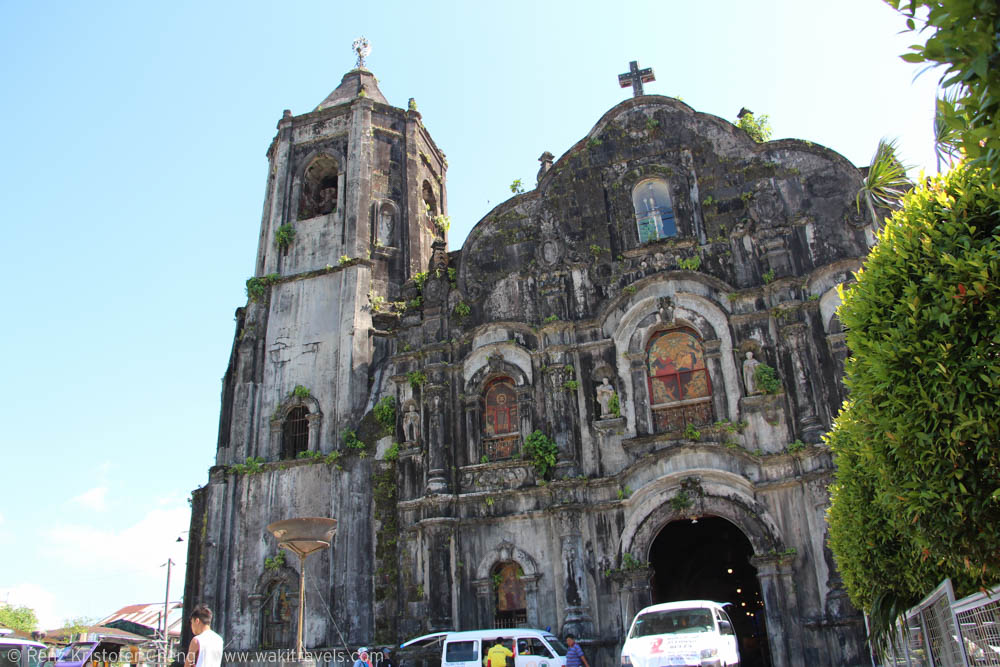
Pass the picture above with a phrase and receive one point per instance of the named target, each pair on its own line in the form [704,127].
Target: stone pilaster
[640,395]
[439,560]
[437,455]
[807,420]
[577,620]
[781,608]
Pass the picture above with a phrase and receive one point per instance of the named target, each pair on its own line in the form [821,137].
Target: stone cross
[635,77]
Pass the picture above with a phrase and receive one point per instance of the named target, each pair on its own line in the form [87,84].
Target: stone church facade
[660,308]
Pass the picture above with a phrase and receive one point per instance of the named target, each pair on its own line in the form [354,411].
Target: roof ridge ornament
[635,77]
[362,47]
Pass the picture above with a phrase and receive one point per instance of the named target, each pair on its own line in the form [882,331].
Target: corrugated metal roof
[149,615]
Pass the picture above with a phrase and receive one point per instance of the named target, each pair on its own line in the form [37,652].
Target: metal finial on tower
[362,48]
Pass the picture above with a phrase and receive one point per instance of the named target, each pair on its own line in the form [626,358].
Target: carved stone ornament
[766,207]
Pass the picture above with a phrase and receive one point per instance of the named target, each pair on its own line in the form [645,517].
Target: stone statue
[749,368]
[411,424]
[666,310]
[385,225]
[604,394]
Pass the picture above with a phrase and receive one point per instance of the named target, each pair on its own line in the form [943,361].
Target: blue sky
[134,180]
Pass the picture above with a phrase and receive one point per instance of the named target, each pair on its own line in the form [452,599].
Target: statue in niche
[411,424]
[666,310]
[605,392]
[386,225]
[749,368]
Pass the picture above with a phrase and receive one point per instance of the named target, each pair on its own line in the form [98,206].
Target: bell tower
[354,198]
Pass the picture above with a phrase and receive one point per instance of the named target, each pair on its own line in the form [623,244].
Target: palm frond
[946,137]
[886,610]
[886,182]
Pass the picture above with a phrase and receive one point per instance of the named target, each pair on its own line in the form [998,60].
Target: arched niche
[295,407]
[506,554]
[662,306]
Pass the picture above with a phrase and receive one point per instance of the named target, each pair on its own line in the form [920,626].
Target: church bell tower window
[295,433]
[319,188]
[654,215]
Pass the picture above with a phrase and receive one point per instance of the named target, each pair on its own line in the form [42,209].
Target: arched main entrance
[709,559]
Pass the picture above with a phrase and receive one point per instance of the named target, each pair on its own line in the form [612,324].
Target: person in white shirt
[205,649]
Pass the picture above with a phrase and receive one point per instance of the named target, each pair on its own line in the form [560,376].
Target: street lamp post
[303,537]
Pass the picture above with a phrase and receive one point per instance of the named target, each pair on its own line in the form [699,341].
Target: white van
[531,648]
[692,632]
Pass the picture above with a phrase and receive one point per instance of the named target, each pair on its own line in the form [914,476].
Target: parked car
[692,632]
[79,654]
[21,652]
[531,648]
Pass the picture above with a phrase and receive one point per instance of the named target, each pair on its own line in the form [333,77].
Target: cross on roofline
[635,77]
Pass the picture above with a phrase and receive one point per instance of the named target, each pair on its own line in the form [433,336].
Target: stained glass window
[679,387]
[501,427]
[654,215]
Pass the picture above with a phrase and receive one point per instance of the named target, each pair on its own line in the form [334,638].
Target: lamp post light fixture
[303,537]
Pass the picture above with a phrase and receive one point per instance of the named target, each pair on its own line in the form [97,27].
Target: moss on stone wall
[386,493]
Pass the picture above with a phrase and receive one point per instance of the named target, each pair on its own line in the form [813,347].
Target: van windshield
[556,645]
[673,622]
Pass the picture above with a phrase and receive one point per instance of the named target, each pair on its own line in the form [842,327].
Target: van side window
[461,652]
[535,647]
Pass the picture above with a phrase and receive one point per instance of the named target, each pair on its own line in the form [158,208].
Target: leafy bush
[681,501]
[759,129]
[543,452]
[385,413]
[300,392]
[692,433]
[766,379]
[462,310]
[917,493]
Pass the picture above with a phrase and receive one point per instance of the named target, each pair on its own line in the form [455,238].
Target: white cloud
[94,499]
[37,598]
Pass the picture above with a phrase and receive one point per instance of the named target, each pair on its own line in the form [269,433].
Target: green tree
[77,625]
[18,618]
[965,40]
[917,445]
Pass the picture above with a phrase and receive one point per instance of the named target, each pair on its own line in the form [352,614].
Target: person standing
[498,654]
[575,656]
[205,649]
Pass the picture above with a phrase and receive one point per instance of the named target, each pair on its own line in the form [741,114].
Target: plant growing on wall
[614,405]
[257,286]
[284,236]
[681,501]
[517,187]
[253,465]
[443,223]
[759,128]
[300,392]
[385,413]
[542,451]
[766,379]
[416,379]
[276,562]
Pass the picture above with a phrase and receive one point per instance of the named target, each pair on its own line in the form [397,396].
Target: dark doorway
[709,559]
